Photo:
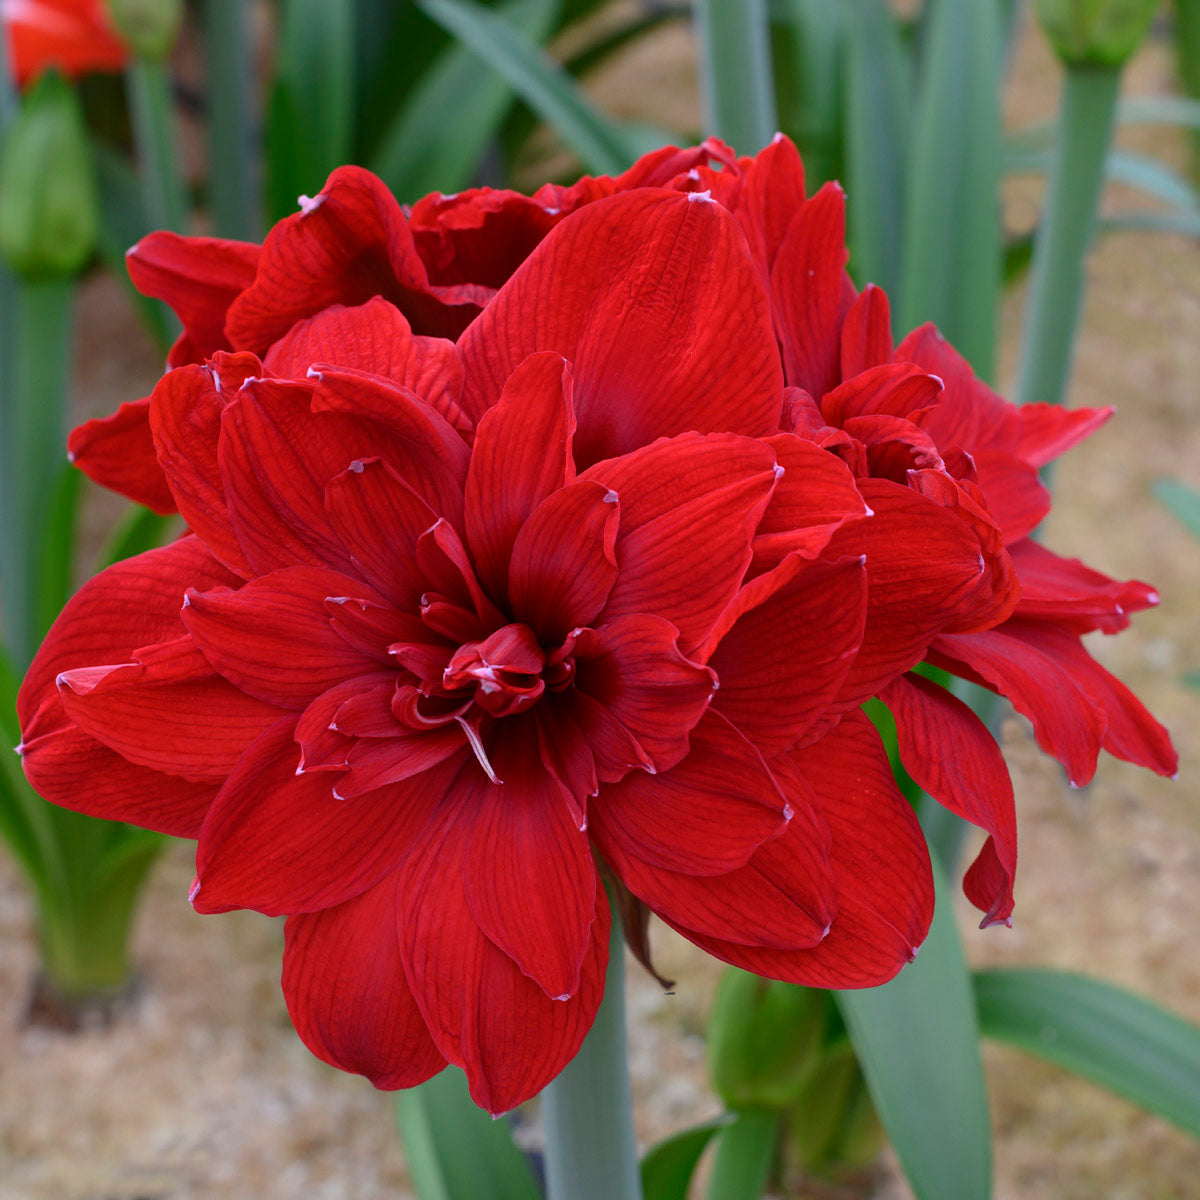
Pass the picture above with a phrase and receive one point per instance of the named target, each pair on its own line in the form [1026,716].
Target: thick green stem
[1076,178]
[232,195]
[745,1154]
[588,1110]
[155,138]
[33,452]
[735,72]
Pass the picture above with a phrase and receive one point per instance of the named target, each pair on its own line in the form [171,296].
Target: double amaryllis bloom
[595,590]
[73,35]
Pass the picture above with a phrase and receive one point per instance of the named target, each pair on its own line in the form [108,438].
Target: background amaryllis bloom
[72,35]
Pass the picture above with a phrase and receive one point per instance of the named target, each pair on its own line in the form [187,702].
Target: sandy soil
[203,1091]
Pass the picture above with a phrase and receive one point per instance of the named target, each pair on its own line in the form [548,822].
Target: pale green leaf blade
[668,1167]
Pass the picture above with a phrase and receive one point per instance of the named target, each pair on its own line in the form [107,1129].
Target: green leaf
[735,72]
[454,1150]
[137,531]
[951,257]
[438,137]
[310,120]
[667,1168]
[1159,110]
[1151,176]
[1106,1034]
[1183,501]
[539,80]
[53,580]
[746,1152]
[878,113]
[1186,222]
[918,1042]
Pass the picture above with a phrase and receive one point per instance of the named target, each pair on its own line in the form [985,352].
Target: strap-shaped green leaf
[1183,501]
[539,80]
[454,1150]
[667,1168]
[918,1043]
[1106,1034]
[735,72]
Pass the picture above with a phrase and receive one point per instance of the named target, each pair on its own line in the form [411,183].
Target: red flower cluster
[597,588]
[72,35]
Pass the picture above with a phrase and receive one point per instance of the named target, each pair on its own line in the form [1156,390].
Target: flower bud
[148,27]
[763,1039]
[1095,33]
[48,203]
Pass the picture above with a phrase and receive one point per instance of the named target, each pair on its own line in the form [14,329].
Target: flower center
[505,670]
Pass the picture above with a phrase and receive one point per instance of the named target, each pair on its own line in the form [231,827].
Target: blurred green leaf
[137,531]
[736,89]
[600,144]
[747,1149]
[454,1150]
[1186,222]
[1183,501]
[1106,1034]
[1024,156]
[310,119]
[1159,110]
[439,135]
[878,113]
[668,1167]
[53,582]
[951,258]
[917,1040]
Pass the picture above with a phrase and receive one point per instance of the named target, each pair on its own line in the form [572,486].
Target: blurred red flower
[72,35]
[610,575]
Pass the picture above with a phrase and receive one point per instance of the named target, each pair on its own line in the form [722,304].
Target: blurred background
[192,1083]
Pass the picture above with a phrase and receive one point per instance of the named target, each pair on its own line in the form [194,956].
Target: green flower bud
[1095,33]
[148,27]
[48,203]
[763,1039]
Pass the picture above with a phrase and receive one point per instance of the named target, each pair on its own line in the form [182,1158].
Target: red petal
[349,243]
[774,193]
[1016,498]
[346,992]
[280,842]
[705,816]
[777,894]
[199,278]
[527,868]
[895,390]
[407,753]
[379,520]
[633,668]
[867,333]
[595,292]
[117,452]
[808,292]
[564,562]
[273,639]
[689,509]
[1048,430]
[787,653]
[522,454]
[167,710]
[375,337]
[815,497]
[485,1015]
[1072,595]
[185,417]
[884,885]
[949,752]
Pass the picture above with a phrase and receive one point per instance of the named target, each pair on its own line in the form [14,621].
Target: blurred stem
[735,72]
[154,136]
[1187,43]
[745,1154]
[1076,179]
[231,192]
[588,1110]
[35,436]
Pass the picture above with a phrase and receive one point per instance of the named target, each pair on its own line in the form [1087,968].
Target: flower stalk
[1076,180]
[588,1110]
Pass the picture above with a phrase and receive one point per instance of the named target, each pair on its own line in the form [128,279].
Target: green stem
[232,195]
[745,1155]
[1076,178]
[154,136]
[34,451]
[588,1110]
[735,72]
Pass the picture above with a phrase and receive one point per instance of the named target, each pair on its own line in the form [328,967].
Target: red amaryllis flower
[406,685]
[73,35]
